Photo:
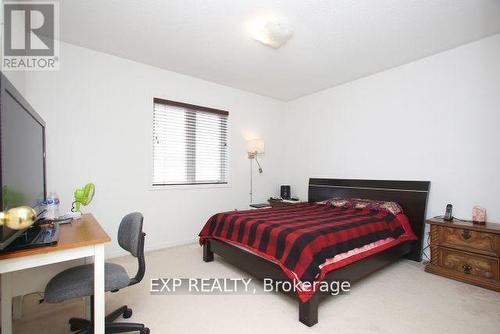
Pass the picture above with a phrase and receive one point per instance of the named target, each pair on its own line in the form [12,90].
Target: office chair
[78,281]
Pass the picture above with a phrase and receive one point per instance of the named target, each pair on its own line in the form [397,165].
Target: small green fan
[83,196]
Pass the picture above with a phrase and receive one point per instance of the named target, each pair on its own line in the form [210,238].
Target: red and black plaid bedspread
[302,237]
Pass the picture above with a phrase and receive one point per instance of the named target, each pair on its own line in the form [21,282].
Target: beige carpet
[399,299]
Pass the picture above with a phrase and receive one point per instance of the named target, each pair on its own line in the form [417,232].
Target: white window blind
[189,144]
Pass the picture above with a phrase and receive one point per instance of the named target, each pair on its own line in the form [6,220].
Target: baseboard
[153,247]
[164,245]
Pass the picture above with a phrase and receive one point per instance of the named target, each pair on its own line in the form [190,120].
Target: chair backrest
[130,233]
[131,238]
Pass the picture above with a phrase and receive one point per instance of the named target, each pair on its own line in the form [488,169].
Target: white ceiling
[334,41]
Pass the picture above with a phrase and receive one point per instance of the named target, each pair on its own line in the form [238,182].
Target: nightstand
[276,203]
[465,252]
[259,205]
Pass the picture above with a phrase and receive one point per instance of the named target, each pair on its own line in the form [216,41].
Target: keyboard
[36,236]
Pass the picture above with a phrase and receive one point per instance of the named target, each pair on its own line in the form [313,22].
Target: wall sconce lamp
[18,218]
[255,147]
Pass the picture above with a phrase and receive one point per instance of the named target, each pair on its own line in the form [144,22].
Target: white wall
[436,119]
[17,78]
[98,110]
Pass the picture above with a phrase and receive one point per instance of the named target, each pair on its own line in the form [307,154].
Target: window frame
[224,171]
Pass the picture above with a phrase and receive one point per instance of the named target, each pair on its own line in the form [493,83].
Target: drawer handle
[467,268]
[466,234]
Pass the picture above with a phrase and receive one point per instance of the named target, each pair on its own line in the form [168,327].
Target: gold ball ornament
[18,218]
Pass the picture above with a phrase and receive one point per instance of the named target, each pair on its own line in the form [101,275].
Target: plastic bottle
[52,206]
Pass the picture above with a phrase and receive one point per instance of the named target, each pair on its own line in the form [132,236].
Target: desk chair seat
[78,281]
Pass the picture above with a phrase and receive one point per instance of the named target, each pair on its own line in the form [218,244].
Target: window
[189,144]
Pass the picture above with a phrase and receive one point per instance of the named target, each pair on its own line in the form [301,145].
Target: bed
[266,248]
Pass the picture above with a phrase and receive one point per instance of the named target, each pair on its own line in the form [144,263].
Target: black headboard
[411,195]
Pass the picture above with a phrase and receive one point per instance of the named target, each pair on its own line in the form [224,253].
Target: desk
[82,238]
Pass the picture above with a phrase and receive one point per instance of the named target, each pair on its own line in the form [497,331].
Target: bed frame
[411,195]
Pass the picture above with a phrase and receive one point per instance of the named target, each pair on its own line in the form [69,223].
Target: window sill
[189,186]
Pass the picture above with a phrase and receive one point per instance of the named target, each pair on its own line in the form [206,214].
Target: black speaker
[285,192]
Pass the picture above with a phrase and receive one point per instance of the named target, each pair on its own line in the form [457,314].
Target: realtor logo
[31,36]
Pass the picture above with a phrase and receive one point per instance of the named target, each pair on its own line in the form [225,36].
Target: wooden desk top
[85,231]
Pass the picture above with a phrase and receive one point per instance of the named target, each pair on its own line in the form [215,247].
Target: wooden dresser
[466,252]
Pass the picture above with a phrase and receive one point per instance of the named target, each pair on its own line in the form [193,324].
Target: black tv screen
[22,153]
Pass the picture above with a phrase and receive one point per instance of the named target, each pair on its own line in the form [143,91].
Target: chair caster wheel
[145,330]
[128,313]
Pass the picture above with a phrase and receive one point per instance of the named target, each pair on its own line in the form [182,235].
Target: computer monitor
[22,156]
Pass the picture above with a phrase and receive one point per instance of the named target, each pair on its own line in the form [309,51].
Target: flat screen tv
[22,156]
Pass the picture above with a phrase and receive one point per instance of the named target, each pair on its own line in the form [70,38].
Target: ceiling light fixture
[271,33]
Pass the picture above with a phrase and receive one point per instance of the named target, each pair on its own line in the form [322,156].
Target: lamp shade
[255,146]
